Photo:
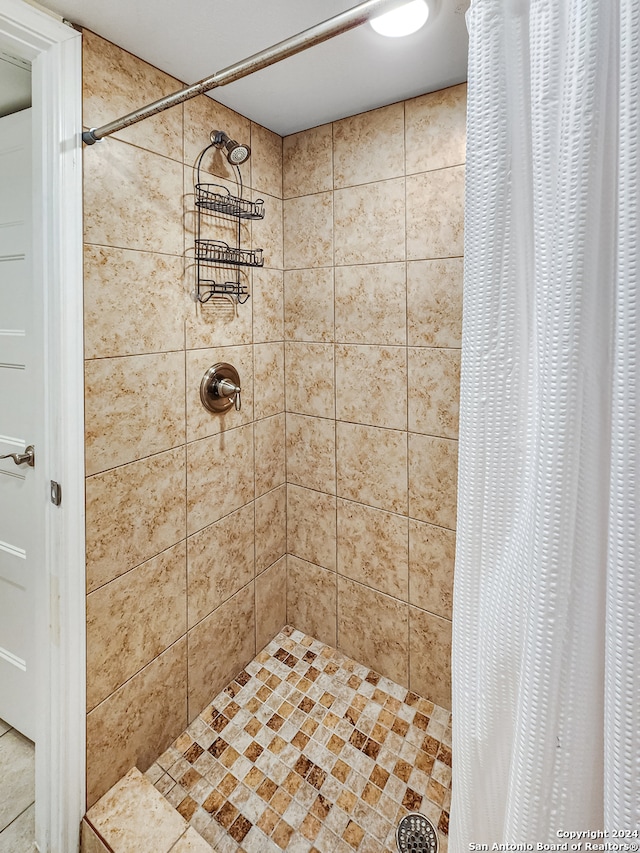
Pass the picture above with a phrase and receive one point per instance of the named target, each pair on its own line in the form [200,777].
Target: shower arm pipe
[342,23]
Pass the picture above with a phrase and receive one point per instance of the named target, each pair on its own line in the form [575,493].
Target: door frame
[54,50]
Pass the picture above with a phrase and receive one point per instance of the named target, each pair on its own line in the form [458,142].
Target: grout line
[361,263]
[184,444]
[133,461]
[135,354]
[372,426]
[142,668]
[91,244]
[335,379]
[186,480]
[286,422]
[255,504]
[138,565]
[17,817]
[370,506]
[408,395]
[403,174]
[388,595]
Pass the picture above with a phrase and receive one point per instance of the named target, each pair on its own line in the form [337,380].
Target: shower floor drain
[416,834]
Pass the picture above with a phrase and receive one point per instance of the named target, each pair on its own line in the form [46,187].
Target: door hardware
[56,493]
[28,457]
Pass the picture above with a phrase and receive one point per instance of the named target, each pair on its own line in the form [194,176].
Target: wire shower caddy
[213,257]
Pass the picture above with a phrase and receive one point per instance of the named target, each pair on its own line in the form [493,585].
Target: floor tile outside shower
[17,791]
[307,750]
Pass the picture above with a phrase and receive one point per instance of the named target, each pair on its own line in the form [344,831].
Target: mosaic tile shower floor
[310,752]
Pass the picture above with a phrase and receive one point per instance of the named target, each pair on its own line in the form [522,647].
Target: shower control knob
[226,388]
[220,388]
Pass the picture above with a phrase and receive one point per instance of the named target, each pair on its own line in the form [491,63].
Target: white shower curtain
[546,625]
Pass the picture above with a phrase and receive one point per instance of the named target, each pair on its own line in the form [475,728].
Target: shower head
[236,153]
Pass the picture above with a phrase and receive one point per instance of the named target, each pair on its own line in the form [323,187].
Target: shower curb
[133,815]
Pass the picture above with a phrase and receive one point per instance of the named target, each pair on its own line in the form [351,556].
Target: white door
[21,408]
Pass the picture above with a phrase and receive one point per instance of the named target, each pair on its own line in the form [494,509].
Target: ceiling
[356,71]
[15,84]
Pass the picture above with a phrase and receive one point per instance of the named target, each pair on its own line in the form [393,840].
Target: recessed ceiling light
[402,21]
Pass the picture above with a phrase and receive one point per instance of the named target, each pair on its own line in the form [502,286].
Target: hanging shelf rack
[208,289]
[212,256]
[219,252]
[217,199]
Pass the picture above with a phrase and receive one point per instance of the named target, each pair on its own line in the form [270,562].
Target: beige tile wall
[189,516]
[373,217]
[186,533]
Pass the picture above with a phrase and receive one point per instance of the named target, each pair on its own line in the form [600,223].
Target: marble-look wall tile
[269,379]
[308,231]
[138,721]
[217,323]
[143,189]
[433,473]
[371,385]
[434,303]
[202,115]
[369,223]
[430,656]
[308,162]
[372,466]
[311,453]
[134,407]
[271,527]
[311,526]
[373,548]
[435,214]
[267,293]
[146,337]
[371,304]
[200,421]
[133,513]
[270,461]
[134,302]
[219,647]
[266,160]
[220,476]
[373,628]
[311,599]
[309,379]
[115,82]
[271,602]
[220,561]
[434,391]
[267,234]
[308,305]
[132,198]
[435,129]
[362,151]
[132,620]
[432,552]
[389,289]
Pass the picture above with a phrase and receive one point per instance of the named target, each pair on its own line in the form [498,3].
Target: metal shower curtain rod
[341,23]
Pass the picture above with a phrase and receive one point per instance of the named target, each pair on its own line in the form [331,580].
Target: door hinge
[56,493]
